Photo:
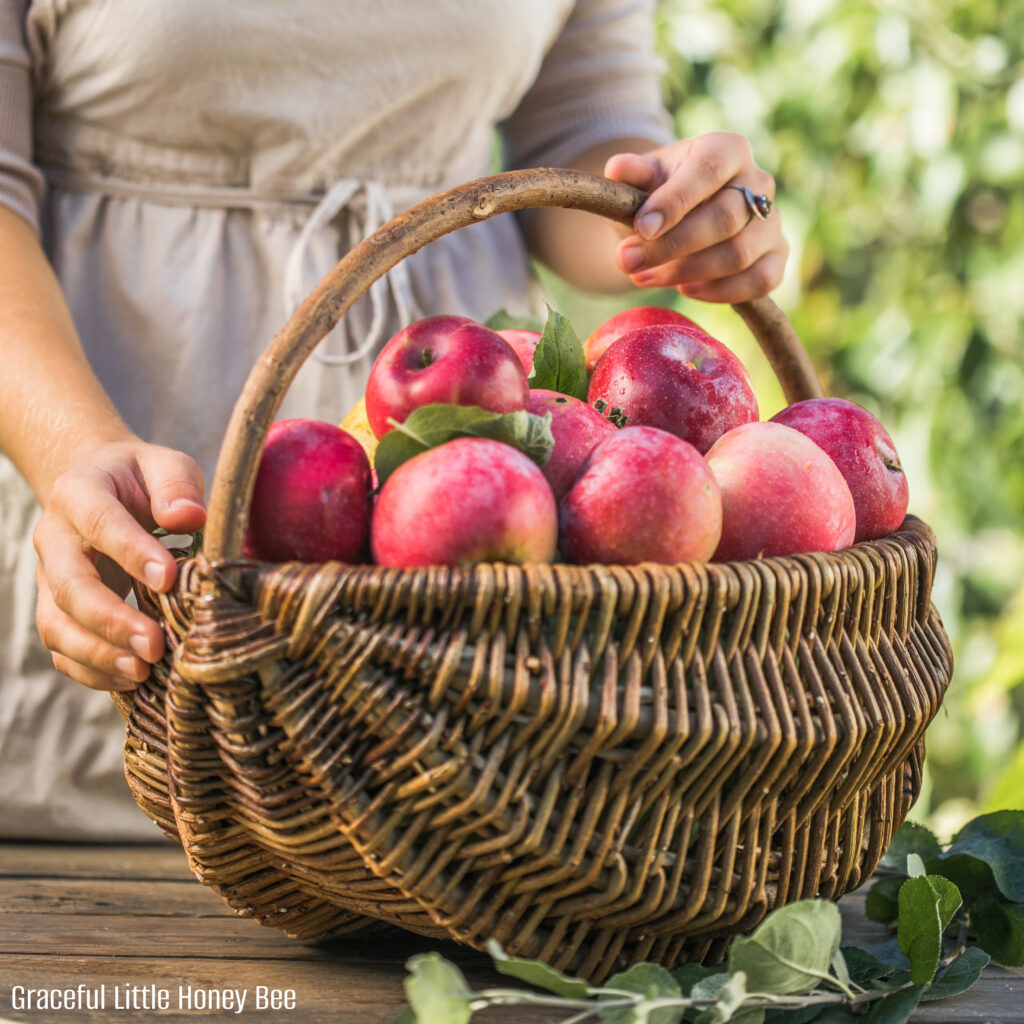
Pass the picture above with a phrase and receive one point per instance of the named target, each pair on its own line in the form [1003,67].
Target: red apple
[644,495]
[629,320]
[678,379]
[469,500]
[524,344]
[312,498]
[443,359]
[862,449]
[781,494]
[576,427]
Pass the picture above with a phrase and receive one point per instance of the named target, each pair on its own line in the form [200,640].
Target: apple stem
[427,356]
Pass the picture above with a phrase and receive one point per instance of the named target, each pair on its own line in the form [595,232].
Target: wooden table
[132,922]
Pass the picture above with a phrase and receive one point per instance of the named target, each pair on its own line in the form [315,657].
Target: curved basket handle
[235,473]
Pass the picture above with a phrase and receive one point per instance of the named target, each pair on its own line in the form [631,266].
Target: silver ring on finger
[758,203]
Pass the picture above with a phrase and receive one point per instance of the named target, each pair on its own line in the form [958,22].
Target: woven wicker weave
[593,765]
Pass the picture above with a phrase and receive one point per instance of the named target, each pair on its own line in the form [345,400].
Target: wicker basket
[592,764]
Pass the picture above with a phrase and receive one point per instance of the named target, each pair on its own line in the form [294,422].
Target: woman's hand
[95,533]
[695,234]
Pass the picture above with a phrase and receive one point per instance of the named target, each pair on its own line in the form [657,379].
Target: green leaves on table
[985,863]
[792,969]
[927,904]
[792,950]
[437,990]
[433,425]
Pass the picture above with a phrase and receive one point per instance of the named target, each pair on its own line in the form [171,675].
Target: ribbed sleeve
[599,81]
[21,184]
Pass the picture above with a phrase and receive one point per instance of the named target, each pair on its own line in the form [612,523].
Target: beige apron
[207,163]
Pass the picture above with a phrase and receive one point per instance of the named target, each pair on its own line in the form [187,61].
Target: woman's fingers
[723,259]
[688,173]
[174,483]
[82,654]
[758,279]
[86,504]
[100,516]
[72,583]
[696,231]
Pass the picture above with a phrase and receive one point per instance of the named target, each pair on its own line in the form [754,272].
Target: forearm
[53,409]
[580,247]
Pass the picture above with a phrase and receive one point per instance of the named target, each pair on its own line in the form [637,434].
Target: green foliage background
[895,132]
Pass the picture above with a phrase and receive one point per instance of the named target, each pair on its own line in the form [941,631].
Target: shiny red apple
[576,427]
[312,498]
[469,500]
[865,454]
[524,344]
[449,359]
[781,494]
[678,379]
[643,495]
[629,320]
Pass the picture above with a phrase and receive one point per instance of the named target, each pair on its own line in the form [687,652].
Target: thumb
[642,172]
[174,483]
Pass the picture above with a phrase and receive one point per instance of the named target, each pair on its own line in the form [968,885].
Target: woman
[173,180]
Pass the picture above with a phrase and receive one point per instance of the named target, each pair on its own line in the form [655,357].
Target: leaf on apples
[559,363]
[503,320]
[434,425]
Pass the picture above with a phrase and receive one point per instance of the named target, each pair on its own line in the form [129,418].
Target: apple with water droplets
[678,379]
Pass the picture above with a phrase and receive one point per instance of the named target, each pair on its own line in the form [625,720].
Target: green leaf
[730,998]
[833,1015]
[896,1008]
[927,905]
[436,990]
[709,987]
[433,425]
[688,975]
[865,967]
[915,866]
[503,320]
[652,982]
[959,976]
[997,839]
[801,1016]
[406,1015]
[911,838]
[536,973]
[999,927]
[882,903]
[791,950]
[971,876]
[558,361]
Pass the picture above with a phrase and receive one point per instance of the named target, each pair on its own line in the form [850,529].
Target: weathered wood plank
[147,935]
[87,860]
[155,897]
[325,993]
[94,915]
